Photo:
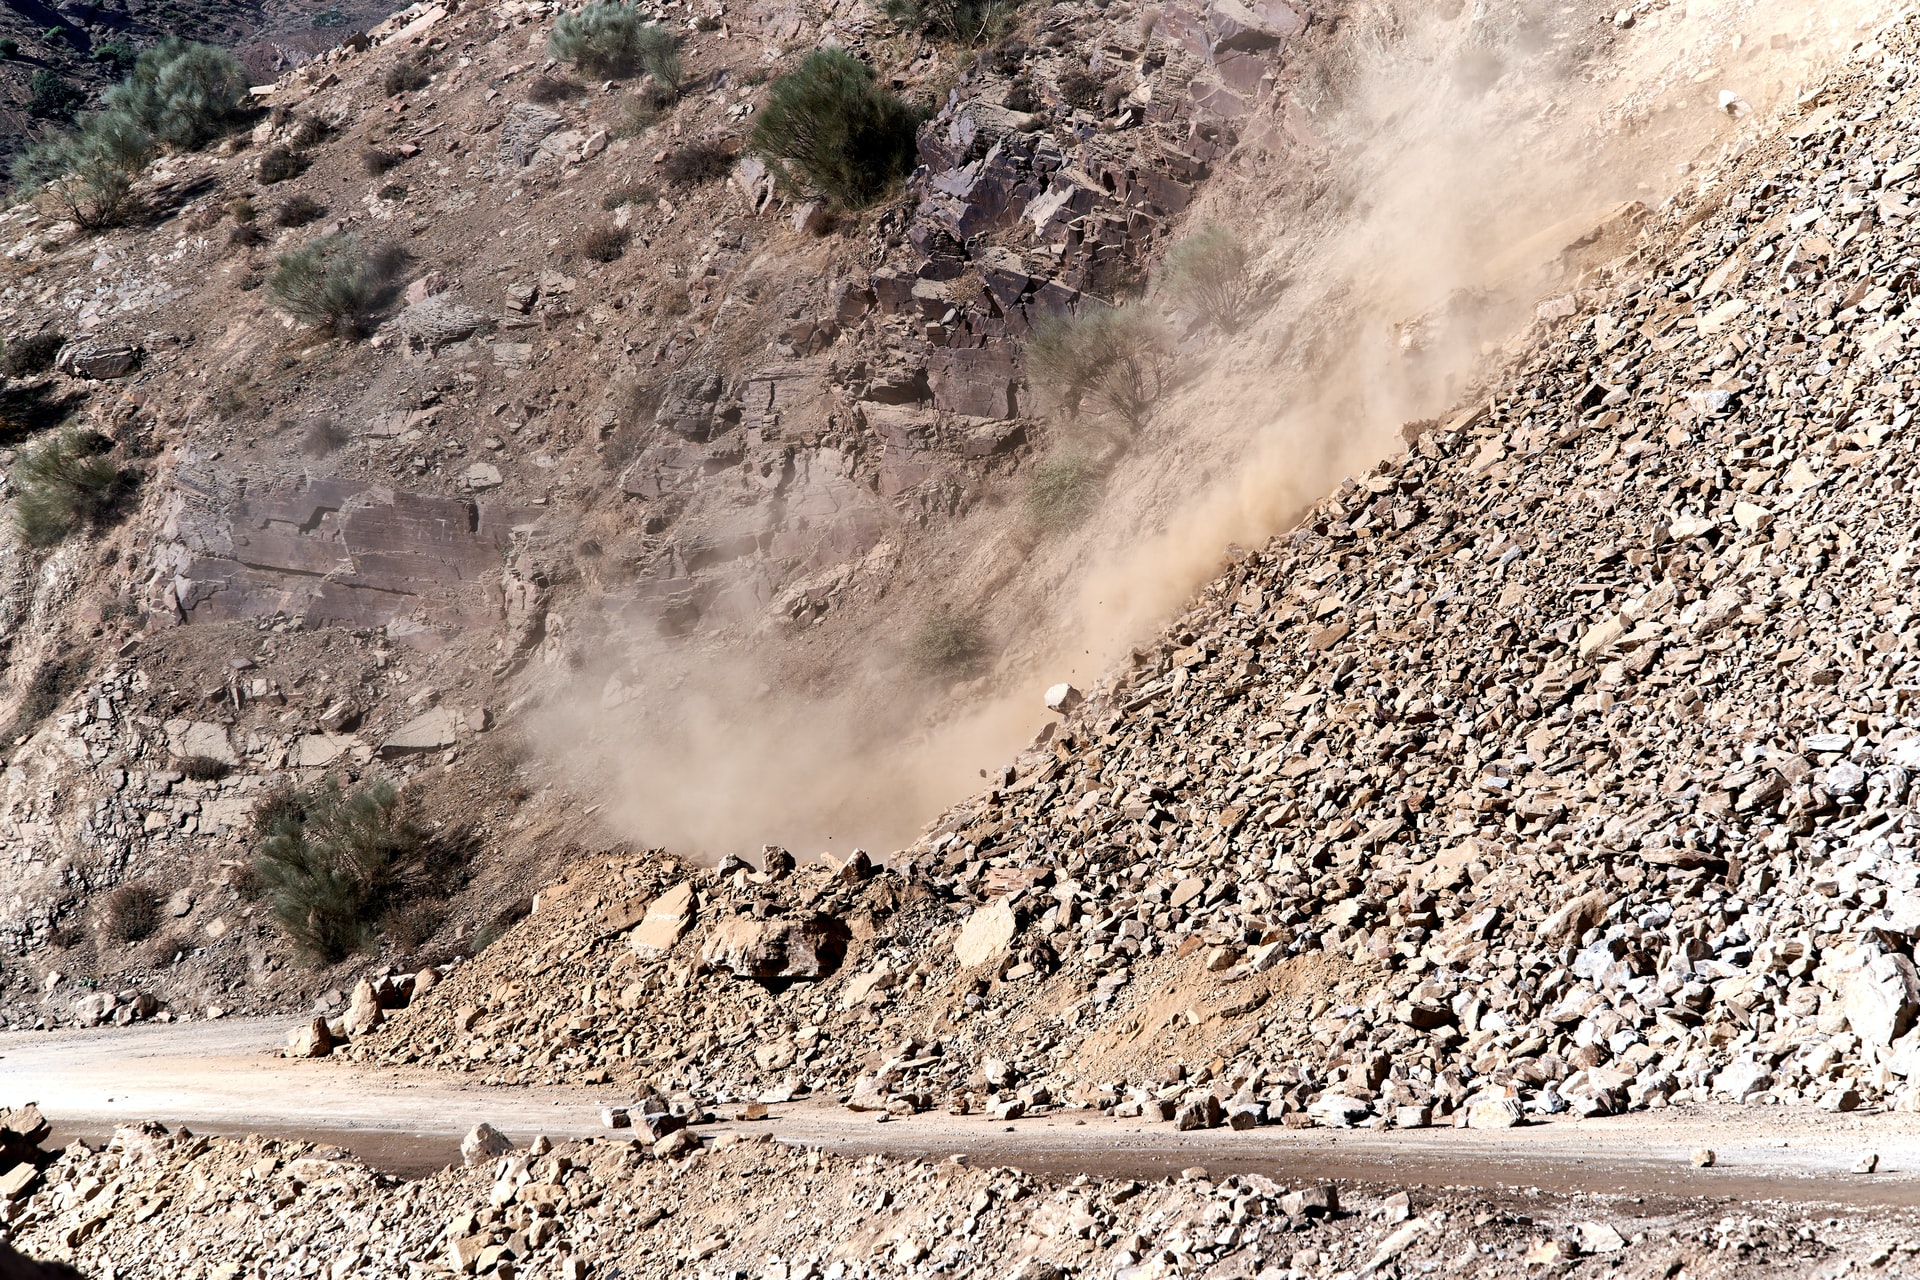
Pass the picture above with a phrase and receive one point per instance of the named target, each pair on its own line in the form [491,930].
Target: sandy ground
[223,1077]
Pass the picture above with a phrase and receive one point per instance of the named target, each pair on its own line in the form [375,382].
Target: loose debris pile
[1562,761]
[154,1203]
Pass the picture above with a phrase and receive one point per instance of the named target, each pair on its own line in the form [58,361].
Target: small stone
[1867,1163]
[1704,1158]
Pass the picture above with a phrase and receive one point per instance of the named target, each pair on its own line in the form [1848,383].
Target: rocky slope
[1561,761]
[153,1202]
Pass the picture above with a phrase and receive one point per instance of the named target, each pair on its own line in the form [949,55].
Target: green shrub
[183,94]
[968,21]
[1112,359]
[332,863]
[329,283]
[614,40]
[1062,491]
[9,48]
[51,98]
[1210,276]
[88,172]
[131,913]
[63,484]
[28,356]
[118,54]
[828,123]
[948,643]
[298,211]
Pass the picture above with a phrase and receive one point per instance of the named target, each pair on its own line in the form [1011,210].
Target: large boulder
[800,947]
[483,1145]
[667,917]
[312,1040]
[433,730]
[1879,993]
[97,361]
[987,936]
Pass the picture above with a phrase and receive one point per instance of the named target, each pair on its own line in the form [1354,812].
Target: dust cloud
[1456,151]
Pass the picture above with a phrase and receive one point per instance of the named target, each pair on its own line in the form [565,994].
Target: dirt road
[222,1077]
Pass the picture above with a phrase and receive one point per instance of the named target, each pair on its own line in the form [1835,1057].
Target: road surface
[224,1077]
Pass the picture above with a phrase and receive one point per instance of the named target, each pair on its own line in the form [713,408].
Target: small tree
[1112,359]
[183,94]
[88,173]
[844,135]
[1209,275]
[64,483]
[332,863]
[613,40]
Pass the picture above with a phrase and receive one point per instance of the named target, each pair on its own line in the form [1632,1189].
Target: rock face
[806,947]
[327,552]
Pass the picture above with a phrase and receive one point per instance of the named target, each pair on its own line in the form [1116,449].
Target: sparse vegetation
[1062,491]
[30,355]
[604,244]
[331,283]
[323,437]
[496,928]
[642,110]
[948,644]
[968,21]
[204,768]
[1209,275]
[375,161]
[697,163]
[298,211]
[407,75]
[1111,359]
[333,863]
[182,94]
[131,913]
[634,193]
[1081,88]
[414,926]
[828,124]
[614,40]
[64,483]
[46,689]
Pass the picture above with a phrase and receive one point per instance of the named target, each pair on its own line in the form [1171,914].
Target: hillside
[1559,761]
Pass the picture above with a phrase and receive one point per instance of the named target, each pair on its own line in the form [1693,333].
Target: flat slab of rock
[434,730]
[806,947]
[666,919]
[986,936]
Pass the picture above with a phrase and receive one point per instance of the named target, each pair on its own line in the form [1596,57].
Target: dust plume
[1428,174]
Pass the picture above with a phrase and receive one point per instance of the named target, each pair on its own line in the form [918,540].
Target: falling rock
[1063,698]
[1575,917]
[667,917]
[482,1144]
[1203,1112]
[1751,517]
[986,936]
[18,1181]
[434,730]
[806,947]
[1705,1158]
[1867,1163]
[311,1040]
[868,1095]
[1311,1202]
[363,1011]
[615,1118]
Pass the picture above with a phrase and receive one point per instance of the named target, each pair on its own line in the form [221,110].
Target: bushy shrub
[51,98]
[183,94]
[131,913]
[9,48]
[332,863]
[278,164]
[603,244]
[323,437]
[968,21]
[828,123]
[1062,491]
[407,75]
[1111,359]
[697,163]
[298,211]
[614,40]
[375,161]
[64,483]
[1210,276]
[546,90]
[88,172]
[118,55]
[27,356]
[643,109]
[45,690]
[330,283]
[205,768]
[948,643]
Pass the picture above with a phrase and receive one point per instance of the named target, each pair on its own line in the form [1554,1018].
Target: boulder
[666,918]
[986,936]
[311,1040]
[484,1144]
[434,730]
[363,1011]
[97,361]
[802,947]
